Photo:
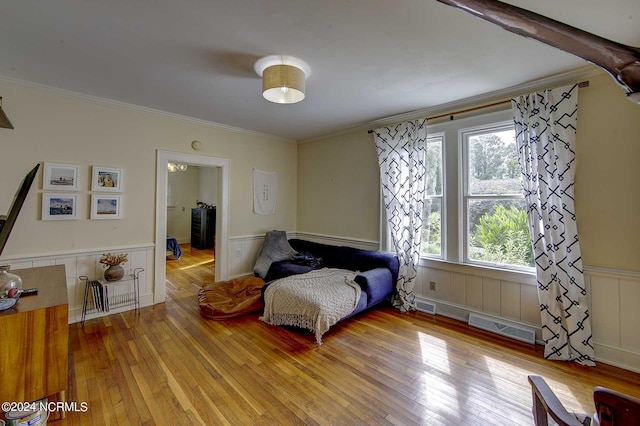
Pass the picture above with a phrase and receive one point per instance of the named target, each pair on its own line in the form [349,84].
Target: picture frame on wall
[58,176]
[106,179]
[57,206]
[106,206]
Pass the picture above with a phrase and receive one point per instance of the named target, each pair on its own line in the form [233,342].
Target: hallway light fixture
[283,78]
[4,120]
[176,167]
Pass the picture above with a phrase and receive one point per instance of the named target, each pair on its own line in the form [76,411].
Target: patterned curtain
[545,135]
[401,156]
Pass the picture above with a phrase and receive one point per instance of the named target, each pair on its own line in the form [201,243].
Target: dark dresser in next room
[203,228]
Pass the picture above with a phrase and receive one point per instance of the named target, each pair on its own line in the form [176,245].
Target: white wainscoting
[87,263]
[244,250]
[512,297]
[460,289]
[615,309]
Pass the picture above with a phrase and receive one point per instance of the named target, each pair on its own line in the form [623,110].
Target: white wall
[338,187]
[208,185]
[195,184]
[56,126]
[338,195]
[86,263]
[184,193]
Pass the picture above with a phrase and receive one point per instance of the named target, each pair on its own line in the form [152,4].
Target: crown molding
[485,98]
[133,107]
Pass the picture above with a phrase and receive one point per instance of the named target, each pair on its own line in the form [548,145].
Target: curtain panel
[401,152]
[545,125]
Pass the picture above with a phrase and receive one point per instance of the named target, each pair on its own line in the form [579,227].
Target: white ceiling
[369,59]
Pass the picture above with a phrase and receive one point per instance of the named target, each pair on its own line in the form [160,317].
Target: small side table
[102,295]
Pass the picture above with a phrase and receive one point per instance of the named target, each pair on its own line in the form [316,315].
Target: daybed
[373,272]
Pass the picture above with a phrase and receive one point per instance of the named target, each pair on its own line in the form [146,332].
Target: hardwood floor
[170,366]
[186,276]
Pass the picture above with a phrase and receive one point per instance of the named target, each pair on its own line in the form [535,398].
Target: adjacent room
[416,212]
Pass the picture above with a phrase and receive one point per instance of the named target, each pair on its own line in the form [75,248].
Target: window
[496,230]
[475,211]
[431,238]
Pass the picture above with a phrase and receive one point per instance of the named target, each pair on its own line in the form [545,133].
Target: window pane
[499,233]
[434,166]
[431,241]
[493,164]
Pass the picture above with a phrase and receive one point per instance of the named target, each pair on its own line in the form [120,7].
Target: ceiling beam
[619,60]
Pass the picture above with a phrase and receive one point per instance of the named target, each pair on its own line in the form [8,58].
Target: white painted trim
[68,253]
[75,313]
[87,263]
[485,271]
[612,273]
[617,357]
[222,214]
[612,355]
[339,241]
[290,234]
[461,313]
[125,105]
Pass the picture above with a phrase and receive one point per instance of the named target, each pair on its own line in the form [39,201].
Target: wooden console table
[34,336]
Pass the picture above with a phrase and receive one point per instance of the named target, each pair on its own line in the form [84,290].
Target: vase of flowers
[112,262]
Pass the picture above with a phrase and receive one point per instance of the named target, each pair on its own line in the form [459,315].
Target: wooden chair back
[546,404]
[616,409]
[612,408]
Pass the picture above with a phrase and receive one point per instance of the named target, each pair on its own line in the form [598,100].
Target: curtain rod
[581,85]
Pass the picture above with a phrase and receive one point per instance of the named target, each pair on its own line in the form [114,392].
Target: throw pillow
[275,248]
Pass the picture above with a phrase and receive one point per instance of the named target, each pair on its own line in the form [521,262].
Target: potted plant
[112,262]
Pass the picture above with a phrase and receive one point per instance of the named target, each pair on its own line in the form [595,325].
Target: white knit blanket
[315,300]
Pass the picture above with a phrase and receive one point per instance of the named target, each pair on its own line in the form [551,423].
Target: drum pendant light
[283,78]
[283,84]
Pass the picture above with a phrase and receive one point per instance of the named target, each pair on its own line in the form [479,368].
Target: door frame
[222,215]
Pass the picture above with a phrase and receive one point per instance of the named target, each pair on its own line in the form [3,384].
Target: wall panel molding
[87,263]
[512,297]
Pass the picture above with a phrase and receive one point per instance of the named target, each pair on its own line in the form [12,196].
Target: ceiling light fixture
[4,120]
[175,167]
[283,78]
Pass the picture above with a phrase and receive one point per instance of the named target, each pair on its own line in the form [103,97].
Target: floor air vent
[504,329]
[429,308]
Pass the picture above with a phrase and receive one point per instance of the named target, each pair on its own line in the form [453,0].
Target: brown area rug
[229,299]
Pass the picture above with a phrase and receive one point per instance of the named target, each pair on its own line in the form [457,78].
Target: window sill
[485,271]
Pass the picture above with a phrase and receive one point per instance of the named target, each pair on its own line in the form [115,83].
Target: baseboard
[605,354]
[461,313]
[500,327]
[617,357]
[75,314]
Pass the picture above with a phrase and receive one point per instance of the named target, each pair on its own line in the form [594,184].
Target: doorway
[222,214]
[192,200]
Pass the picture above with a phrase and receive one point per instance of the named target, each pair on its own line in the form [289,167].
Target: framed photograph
[59,206]
[60,176]
[106,206]
[106,179]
